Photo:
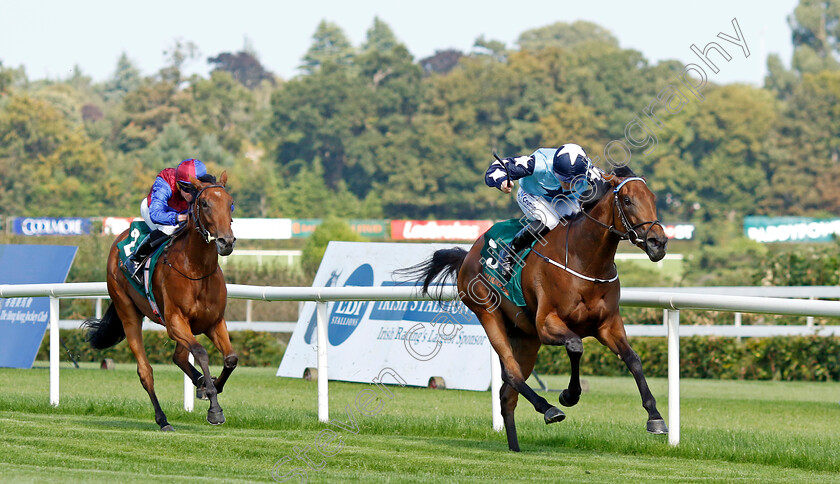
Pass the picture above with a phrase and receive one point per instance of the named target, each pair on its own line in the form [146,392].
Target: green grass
[104,431]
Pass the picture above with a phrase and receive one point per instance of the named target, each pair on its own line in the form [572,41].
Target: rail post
[495,390]
[189,389]
[674,376]
[323,388]
[54,352]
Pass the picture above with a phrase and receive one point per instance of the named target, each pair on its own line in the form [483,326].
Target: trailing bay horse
[571,289]
[190,292]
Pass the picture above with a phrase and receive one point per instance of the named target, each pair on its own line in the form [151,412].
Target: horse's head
[211,213]
[634,213]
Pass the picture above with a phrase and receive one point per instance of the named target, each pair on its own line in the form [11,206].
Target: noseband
[196,215]
[630,233]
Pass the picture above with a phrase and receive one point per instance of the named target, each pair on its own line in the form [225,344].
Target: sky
[49,38]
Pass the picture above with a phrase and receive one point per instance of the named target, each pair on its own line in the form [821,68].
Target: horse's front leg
[555,332]
[218,334]
[179,330]
[613,336]
[180,358]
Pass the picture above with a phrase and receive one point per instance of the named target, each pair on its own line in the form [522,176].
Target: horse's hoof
[567,399]
[657,427]
[167,428]
[199,393]
[215,418]
[553,414]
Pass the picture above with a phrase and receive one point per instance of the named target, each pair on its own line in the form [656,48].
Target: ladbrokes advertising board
[418,339]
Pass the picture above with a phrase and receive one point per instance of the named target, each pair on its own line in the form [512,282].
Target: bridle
[630,231]
[630,234]
[195,213]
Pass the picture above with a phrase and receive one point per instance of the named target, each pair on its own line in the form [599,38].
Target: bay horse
[189,289]
[571,288]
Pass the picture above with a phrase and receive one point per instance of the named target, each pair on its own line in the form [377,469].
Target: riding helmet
[189,168]
[570,162]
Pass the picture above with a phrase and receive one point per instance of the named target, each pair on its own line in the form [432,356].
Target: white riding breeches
[144,212]
[549,213]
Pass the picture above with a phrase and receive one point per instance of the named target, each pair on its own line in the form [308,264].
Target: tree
[331,229]
[442,62]
[243,66]
[329,45]
[816,35]
[126,78]
[379,37]
[565,36]
[48,165]
[178,55]
[778,78]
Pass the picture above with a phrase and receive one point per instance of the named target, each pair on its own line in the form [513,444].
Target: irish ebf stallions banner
[23,320]
[418,339]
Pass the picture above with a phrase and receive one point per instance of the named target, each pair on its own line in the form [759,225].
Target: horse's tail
[442,266]
[106,332]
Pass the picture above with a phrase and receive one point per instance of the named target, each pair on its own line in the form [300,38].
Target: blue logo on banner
[346,315]
[23,320]
[422,311]
[51,226]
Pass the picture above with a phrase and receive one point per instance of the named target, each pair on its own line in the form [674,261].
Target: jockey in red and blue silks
[165,207]
[551,183]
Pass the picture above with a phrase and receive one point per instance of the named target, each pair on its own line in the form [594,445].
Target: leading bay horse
[571,289]
[190,292]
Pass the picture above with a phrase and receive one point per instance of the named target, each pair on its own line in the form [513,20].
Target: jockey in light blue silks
[551,183]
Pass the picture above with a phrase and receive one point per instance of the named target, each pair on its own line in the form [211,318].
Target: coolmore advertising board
[51,226]
[23,320]
[418,339]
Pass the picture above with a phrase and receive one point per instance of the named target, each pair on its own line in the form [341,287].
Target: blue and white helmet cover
[570,162]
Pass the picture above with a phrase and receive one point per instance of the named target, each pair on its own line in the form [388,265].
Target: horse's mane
[622,171]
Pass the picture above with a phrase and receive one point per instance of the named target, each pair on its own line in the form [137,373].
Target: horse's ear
[196,183]
[223,178]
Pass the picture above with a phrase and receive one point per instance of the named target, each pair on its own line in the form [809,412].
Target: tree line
[370,131]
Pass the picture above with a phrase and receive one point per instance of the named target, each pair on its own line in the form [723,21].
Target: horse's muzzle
[224,245]
[655,246]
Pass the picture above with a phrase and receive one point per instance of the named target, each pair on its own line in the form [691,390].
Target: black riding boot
[522,240]
[135,261]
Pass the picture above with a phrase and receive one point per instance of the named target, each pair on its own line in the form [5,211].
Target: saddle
[137,231]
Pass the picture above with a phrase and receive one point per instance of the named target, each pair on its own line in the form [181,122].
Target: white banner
[262,228]
[243,228]
[418,339]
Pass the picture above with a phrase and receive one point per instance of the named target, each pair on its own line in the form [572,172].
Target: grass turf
[104,431]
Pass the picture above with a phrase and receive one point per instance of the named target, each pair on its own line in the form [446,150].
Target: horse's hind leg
[614,337]
[218,334]
[179,330]
[525,350]
[512,373]
[133,325]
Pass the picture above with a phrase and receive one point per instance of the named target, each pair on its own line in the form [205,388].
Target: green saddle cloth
[499,235]
[138,231]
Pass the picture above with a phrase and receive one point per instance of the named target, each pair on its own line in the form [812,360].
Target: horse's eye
[232,208]
[204,204]
[627,201]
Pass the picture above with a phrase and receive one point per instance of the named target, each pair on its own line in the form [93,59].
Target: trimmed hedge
[254,348]
[808,358]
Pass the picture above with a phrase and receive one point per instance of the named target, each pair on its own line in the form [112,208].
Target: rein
[196,215]
[629,234]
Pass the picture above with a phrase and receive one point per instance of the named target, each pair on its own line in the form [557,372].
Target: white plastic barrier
[671,301]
